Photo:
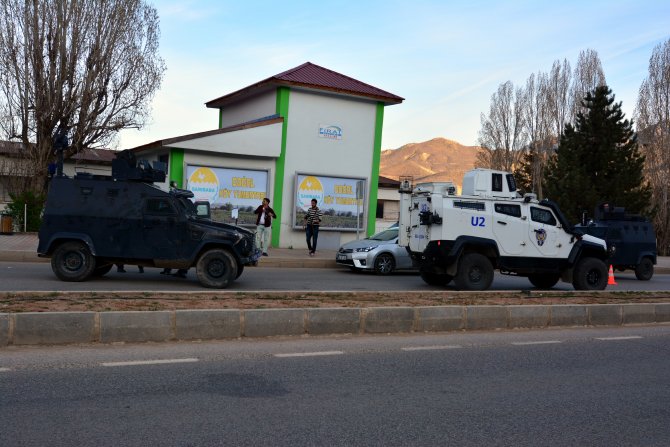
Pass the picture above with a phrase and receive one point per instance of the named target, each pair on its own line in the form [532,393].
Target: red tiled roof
[309,75]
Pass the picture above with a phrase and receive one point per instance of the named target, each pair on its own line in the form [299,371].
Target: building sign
[340,199]
[330,132]
[227,190]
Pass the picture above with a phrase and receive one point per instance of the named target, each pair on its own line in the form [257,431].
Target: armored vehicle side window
[496,182]
[470,205]
[508,209]
[542,216]
[158,206]
[511,183]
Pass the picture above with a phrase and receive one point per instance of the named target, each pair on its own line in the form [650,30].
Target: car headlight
[365,249]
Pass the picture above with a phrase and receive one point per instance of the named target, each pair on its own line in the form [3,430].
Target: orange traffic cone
[610,279]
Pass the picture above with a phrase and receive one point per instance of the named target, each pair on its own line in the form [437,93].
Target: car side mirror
[202,209]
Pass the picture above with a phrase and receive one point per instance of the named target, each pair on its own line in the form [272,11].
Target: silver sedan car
[380,253]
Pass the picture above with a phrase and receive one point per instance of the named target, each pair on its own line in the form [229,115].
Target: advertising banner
[227,190]
[340,199]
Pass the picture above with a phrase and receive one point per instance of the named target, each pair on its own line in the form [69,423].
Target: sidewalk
[22,247]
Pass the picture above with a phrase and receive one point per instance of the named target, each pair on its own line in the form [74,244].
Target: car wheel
[216,269]
[475,272]
[590,274]
[72,261]
[384,264]
[644,270]
[436,279]
[544,280]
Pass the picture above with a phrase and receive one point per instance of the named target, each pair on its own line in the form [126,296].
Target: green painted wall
[283,94]
[374,175]
[177,167]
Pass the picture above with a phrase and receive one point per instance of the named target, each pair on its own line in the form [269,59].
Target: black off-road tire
[384,264]
[475,272]
[436,279]
[644,270]
[216,268]
[72,261]
[544,280]
[590,274]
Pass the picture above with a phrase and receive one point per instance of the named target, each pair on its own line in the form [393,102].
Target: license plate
[341,257]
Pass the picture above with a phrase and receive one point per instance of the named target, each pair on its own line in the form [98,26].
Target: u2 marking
[478,221]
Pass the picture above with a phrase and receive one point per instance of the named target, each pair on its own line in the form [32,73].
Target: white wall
[306,152]
[251,109]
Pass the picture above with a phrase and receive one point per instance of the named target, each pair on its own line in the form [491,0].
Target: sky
[446,58]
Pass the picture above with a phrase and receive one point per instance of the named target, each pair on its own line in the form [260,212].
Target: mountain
[437,160]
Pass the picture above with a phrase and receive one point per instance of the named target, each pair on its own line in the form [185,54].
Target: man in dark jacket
[264,216]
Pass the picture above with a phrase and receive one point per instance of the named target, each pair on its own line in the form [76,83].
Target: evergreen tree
[597,160]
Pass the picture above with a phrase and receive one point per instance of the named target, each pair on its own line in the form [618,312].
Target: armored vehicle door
[419,233]
[509,227]
[543,231]
[163,227]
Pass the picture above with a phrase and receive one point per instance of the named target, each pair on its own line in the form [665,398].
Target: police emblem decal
[541,236]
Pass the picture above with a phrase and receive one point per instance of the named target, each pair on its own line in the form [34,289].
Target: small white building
[308,132]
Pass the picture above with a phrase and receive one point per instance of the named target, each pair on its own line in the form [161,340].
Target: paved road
[38,276]
[596,387]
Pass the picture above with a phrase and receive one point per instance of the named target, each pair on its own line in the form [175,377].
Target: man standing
[312,222]
[264,216]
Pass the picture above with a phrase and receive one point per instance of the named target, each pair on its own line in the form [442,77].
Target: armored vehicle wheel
[216,269]
[590,274]
[475,272]
[436,279]
[102,269]
[72,261]
[644,270]
[544,280]
[384,264]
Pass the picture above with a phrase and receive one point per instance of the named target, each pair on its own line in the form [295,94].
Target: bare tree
[502,134]
[88,67]
[537,124]
[652,115]
[588,75]
[558,96]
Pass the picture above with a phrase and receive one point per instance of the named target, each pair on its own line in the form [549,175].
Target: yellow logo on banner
[204,184]
[310,188]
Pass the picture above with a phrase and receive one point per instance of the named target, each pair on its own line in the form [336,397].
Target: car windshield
[386,235]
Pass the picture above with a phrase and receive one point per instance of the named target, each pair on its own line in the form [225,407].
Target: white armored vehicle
[489,226]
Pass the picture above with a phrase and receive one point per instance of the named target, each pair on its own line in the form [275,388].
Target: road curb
[59,328]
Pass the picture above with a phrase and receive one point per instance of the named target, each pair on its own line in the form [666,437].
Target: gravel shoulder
[14,302]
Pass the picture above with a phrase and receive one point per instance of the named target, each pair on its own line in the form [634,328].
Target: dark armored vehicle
[92,222]
[630,237]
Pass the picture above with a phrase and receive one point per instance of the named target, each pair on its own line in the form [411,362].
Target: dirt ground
[124,301]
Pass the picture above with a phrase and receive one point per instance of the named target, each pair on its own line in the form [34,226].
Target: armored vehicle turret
[92,222]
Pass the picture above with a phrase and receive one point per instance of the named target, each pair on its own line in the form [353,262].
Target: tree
[537,123]
[598,160]
[88,67]
[588,75]
[558,96]
[502,134]
[652,114]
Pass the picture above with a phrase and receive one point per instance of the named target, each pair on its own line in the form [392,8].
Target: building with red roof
[308,132]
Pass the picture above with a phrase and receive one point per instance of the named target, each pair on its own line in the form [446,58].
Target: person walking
[264,216]
[312,222]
